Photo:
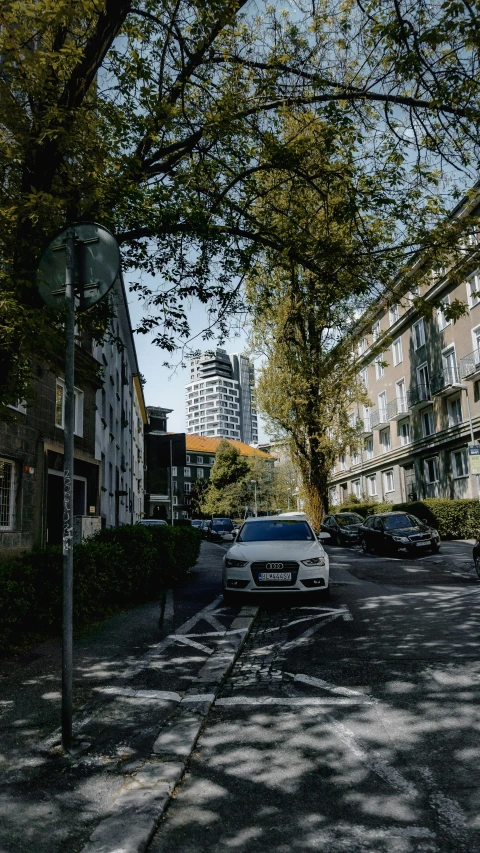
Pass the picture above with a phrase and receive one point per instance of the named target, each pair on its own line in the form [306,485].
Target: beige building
[422,387]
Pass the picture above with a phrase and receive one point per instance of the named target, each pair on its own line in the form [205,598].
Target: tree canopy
[164,120]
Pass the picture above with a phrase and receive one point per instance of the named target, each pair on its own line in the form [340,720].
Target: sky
[164,386]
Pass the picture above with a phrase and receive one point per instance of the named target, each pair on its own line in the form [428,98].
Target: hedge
[115,569]
[454,519]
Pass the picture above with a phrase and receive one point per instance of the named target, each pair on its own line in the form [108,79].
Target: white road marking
[330,616]
[327,685]
[140,694]
[201,697]
[213,622]
[300,701]
[218,633]
[193,643]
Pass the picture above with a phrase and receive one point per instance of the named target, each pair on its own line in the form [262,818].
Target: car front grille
[419,537]
[287,566]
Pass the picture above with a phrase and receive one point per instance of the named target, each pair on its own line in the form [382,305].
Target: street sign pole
[92,250]
[69,426]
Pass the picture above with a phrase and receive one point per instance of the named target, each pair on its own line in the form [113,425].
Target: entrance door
[410,483]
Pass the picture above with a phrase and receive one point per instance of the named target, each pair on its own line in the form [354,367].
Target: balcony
[379,419]
[444,381]
[417,395]
[470,365]
[397,409]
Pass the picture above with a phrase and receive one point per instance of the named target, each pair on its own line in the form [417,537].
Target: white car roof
[289,516]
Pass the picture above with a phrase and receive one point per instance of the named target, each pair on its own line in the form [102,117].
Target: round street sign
[97,265]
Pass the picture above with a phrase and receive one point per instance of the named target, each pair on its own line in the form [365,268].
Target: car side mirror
[323,535]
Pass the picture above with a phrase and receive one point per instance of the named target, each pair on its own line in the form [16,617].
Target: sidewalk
[144,682]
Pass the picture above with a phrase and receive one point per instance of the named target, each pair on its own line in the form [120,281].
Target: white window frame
[361,346]
[450,401]
[476,342]
[401,395]
[174,471]
[200,474]
[379,368]
[386,475]
[437,469]
[428,411]
[382,405]
[442,321]
[369,453]
[418,336]
[363,376]
[187,486]
[342,462]
[78,408]
[385,448]
[463,452]
[372,486]
[187,459]
[199,460]
[376,330]
[18,407]
[419,372]
[10,497]
[403,442]
[186,472]
[393,314]
[357,488]
[473,286]
[397,351]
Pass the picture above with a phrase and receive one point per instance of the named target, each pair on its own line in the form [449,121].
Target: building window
[174,471]
[342,462]
[441,319]
[175,500]
[473,290]
[431,470]
[388,481]
[356,488]
[404,432]
[414,293]
[393,314]
[401,396]
[199,460]
[187,487]
[385,440]
[186,472]
[372,485]
[175,515]
[418,334]
[363,376]
[376,330]
[7,484]
[355,456]
[369,448]
[428,427]
[459,463]
[18,407]
[379,367]
[187,459]
[200,473]
[454,408]
[382,406]
[397,351]
[334,496]
[60,408]
[423,382]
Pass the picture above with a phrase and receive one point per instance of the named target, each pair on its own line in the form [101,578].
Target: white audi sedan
[275,554]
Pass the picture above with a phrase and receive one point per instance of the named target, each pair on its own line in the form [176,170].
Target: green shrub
[115,569]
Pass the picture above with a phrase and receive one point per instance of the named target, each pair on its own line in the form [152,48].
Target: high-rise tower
[219,397]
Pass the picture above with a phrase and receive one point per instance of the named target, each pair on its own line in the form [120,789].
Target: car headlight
[404,539]
[435,532]
[314,561]
[230,563]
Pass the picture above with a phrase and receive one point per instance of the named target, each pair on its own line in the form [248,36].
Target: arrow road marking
[326,616]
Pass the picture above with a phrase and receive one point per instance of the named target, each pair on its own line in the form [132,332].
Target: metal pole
[256,513]
[69,426]
[171,481]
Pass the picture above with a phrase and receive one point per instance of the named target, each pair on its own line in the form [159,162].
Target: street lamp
[255,485]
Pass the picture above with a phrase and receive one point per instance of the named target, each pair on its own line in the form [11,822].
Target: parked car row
[387,532]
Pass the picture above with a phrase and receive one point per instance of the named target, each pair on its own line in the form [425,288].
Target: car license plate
[275,576]
[422,544]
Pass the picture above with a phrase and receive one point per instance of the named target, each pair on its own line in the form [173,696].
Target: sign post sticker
[474,457]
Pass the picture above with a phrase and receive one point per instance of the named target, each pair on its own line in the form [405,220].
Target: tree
[159,119]
[228,484]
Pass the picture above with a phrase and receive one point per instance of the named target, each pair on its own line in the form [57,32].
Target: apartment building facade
[424,389]
[219,397]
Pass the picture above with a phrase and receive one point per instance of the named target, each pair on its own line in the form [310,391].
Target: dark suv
[344,528]
[389,532]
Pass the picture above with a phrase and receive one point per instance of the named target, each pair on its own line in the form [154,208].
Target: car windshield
[270,531]
[348,518]
[395,522]
[222,525]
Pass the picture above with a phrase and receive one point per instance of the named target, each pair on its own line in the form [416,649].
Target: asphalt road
[347,725]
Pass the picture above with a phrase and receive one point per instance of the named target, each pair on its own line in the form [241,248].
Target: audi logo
[274,567]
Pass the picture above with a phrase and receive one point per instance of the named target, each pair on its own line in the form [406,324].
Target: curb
[134,816]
